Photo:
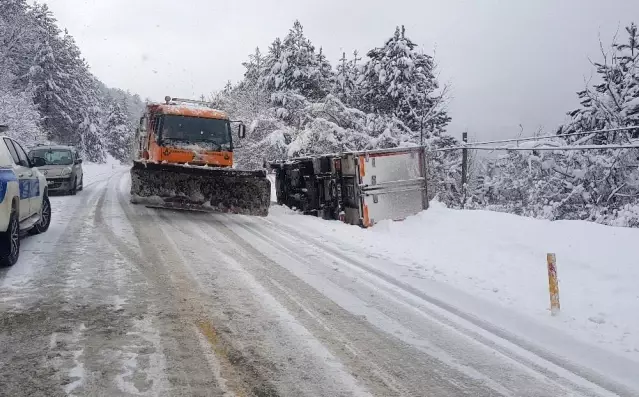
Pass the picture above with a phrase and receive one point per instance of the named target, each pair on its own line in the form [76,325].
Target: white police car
[24,205]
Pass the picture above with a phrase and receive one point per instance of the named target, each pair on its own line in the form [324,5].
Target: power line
[535,138]
[578,147]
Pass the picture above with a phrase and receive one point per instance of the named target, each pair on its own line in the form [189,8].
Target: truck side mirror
[241,131]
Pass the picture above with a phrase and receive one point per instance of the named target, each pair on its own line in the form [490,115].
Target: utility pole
[464,176]
[421,131]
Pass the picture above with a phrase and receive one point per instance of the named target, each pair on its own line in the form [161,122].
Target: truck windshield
[202,132]
[53,156]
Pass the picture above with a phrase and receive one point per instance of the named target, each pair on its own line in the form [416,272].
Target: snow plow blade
[192,188]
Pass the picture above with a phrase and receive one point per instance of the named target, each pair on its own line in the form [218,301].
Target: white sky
[509,62]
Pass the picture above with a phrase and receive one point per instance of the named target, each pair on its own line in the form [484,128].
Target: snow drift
[501,258]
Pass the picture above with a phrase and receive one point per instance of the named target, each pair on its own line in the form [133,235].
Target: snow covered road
[118,299]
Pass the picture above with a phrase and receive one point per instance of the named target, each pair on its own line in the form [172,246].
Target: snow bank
[502,258]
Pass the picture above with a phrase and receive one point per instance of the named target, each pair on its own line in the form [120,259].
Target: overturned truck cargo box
[360,188]
[383,184]
[200,188]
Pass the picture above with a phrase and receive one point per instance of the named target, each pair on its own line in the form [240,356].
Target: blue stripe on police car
[6,176]
[29,188]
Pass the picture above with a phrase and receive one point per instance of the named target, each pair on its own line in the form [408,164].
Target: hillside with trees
[298,104]
[600,185]
[47,92]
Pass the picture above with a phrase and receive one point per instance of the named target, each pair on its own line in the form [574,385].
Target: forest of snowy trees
[599,185]
[298,102]
[47,92]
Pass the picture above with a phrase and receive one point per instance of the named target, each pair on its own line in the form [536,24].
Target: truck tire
[45,217]
[10,242]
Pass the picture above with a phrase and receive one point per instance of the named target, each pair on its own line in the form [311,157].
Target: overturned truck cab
[359,188]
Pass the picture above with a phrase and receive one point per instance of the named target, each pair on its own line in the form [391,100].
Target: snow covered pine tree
[43,74]
[297,105]
[118,132]
[599,185]
[399,81]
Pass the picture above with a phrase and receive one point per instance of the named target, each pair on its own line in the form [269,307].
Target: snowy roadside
[94,172]
[64,209]
[501,258]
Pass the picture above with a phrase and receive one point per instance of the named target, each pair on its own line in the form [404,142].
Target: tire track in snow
[292,346]
[511,345]
[138,351]
[387,366]
[112,335]
[393,317]
[43,346]
[186,316]
[168,310]
[17,281]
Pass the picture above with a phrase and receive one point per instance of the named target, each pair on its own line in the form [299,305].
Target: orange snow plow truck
[184,160]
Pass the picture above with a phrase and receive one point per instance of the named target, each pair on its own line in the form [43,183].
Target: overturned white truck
[359,188]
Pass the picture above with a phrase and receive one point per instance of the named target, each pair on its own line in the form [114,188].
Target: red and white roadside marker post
[553,284]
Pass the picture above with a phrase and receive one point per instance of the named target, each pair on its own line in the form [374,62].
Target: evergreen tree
[295,67]
[597,185]
[58,77]
[17,109]
[89,139]
[118,132]
[614,100]
[46,81]
[399,81]
[255,69]
[13,26]
[326,78]
[249,91]
[267,79]
[347,77]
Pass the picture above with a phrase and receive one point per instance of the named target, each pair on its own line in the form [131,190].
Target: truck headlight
[66,171]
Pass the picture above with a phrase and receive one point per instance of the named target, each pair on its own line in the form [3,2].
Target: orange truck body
[184,160]
[150,149]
